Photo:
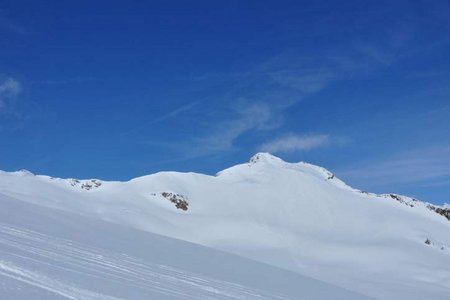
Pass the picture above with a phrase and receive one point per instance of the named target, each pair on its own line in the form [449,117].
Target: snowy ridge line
[262,157]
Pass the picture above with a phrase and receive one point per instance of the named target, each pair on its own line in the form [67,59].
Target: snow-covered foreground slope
[295,216]
[50,254]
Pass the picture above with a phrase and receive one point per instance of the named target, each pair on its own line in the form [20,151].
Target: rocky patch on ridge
[407,201]
[443,211]
[85,184]
[411,202]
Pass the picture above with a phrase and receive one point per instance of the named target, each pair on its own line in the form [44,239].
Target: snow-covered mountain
[294,216]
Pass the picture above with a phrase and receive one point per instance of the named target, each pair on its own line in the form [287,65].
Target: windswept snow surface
[50,254]
[295,216]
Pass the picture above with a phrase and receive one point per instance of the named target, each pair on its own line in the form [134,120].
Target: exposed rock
[396,197]
[74,182]
[443,211]
[87,184]
[177,199]
[404,200]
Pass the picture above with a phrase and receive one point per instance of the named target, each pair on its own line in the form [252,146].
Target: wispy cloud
[306,81]
[9,89]
[295,143]
[255,116]
[408,167]
[177,111]
[273,86]
[438,183]
[221,136]
[268,90]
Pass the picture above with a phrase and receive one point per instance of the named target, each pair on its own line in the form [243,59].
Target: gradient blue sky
[119,89]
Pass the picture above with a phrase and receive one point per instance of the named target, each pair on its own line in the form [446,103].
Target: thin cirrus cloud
[295,143]
[417,166]
[287,78]
[285,85]
[255,116]
[9,89]
[272,86]
[177,111]
[222,135]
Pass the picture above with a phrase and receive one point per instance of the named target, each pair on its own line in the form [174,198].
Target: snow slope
[295,216]
[51,254]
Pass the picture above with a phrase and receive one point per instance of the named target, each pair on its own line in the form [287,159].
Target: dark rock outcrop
[177,199]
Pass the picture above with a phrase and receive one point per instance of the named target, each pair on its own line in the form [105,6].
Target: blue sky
[119,89]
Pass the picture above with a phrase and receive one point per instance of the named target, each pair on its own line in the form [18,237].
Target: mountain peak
[24,172]
[264,157]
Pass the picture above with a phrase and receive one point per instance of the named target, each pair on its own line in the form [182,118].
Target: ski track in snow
[24,248]
[15,272]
